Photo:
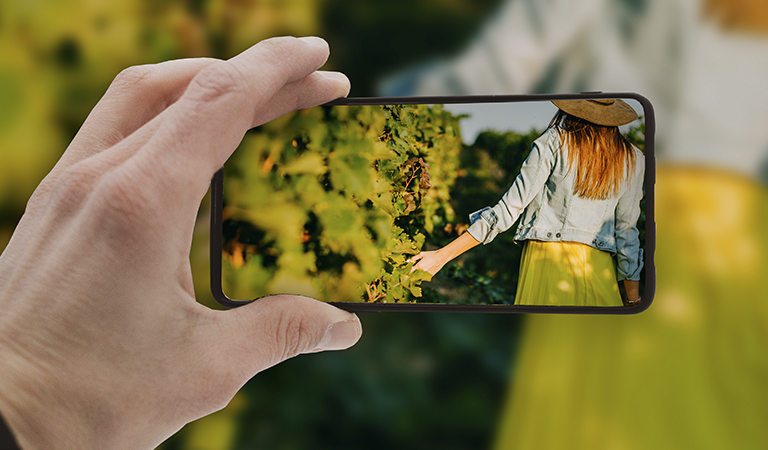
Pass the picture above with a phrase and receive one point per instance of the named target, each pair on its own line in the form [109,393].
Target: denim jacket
[542,197]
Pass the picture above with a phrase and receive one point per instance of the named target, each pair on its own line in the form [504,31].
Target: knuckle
[133,76]
[283,45]
[293,334]
[70,189]
[216,81]
[278,45]
[123,202]
[40,197]
[125,193]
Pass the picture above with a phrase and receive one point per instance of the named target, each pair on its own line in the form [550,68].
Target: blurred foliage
[416,380]
[330,202]
[58,58]
[372,38]
[636,134]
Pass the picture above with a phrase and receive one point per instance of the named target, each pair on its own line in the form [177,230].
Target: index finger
[417,257]
[136,96]
[203,128]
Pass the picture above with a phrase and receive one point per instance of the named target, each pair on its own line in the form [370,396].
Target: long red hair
[603,158]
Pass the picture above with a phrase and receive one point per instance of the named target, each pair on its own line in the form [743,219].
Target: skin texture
[433,261]
[102,344]
[633,292]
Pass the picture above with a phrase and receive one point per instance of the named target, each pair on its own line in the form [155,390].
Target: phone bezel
[216,231]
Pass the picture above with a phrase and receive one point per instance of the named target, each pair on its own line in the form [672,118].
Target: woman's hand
[431,262]
[102,344]
[633,292]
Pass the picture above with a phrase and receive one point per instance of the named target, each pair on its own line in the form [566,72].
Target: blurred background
[688,373]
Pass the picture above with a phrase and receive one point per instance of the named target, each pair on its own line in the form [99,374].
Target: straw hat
[610,112]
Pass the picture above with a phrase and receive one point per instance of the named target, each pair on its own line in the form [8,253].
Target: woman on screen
[578,200]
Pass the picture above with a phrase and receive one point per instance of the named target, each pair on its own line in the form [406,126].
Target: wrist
[444,254]
[37,404]
[17,406]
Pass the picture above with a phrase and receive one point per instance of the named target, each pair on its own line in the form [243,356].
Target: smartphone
[341,202]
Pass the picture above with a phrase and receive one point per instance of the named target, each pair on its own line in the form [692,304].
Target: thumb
[273,329]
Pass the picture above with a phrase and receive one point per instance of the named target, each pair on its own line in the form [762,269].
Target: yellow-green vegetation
[330,202]
[58,57]
[688,373]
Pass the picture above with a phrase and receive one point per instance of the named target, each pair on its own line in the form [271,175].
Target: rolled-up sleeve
[628,250]
[488,222]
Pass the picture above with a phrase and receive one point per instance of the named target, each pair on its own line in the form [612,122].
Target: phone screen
[341,202]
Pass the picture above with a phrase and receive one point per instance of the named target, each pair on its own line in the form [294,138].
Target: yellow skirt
[566,274]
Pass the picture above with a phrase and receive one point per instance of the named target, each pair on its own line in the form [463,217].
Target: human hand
[102,344]
[430,261]
[433,261]
[633,292]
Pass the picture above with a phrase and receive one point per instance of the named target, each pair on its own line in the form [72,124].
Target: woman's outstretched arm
[433,261]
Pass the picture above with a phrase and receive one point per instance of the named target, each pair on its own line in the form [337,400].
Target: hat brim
[611,112]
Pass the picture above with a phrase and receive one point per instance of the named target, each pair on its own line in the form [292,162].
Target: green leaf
[308,163]
[339,206]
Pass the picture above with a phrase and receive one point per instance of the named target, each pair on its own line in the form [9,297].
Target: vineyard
[331,202]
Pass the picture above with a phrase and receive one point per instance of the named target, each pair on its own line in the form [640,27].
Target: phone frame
[216,231]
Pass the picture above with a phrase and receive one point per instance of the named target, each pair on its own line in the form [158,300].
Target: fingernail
[343,85]
[341,335]
[313,40]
